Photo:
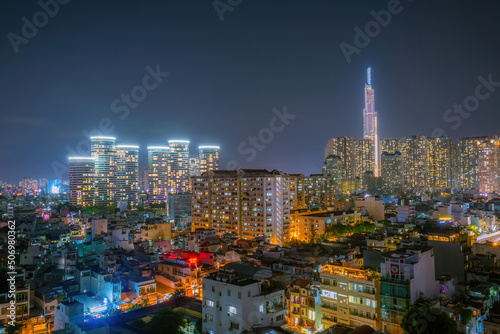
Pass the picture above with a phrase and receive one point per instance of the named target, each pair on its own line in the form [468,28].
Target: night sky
[225,77]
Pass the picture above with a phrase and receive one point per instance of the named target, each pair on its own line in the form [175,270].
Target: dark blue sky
[227,76]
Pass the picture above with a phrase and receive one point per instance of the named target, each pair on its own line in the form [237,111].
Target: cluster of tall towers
[111,174]
[414,163]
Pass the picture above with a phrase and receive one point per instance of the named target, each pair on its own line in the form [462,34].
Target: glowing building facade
[178,166]
[209,158]
[103,150]
[127,175]
[390,145]
[468,160]
[488,166]
[364,157]
[342,147]
[440,163]
[391,173]
[415,163]
[82,181]
[158,174]
[370,119]
[247,202]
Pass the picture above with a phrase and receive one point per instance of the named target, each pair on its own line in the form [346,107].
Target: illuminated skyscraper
[82,181]
[103,149]
[297,197]
[209,158]
[415,163]
[440,163]
[364,157]
[158,174]
[391,173]
[178,166]
[370,119]
[127,176]
[455,176]
[342,147]
[390,145]
[468,159]
[332,168]
[488,166]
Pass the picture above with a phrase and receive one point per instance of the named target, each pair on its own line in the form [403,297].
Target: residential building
[127,175]
[303,306]
[178,166]
[82,191]
[297,198]
[350,296]
[440,168]
[342,147]
[104,151]
[364,157]
[415,163]
[249,203]
[488,166]
[391,173]
[373,206]
[406,275]
[390,145]
[236,303]
[209,158]
[158,170]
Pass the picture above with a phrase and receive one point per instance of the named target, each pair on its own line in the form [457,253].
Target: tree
[465,316]
[423,319]
[16,329]
[165,321]
[198,327]
[177,293]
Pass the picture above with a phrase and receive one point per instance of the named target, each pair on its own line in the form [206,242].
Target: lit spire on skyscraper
[370,119]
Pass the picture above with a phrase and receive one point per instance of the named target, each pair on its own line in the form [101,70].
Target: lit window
[210,302]
[232,310]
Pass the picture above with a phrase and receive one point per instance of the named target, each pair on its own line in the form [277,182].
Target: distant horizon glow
[158,148]
[127,146]
[102,137]
[215,147]
[179,141]
[81,158]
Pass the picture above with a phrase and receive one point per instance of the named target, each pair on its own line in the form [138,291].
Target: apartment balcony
[275,308]
[363,319]
[328,321]
[328,309]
